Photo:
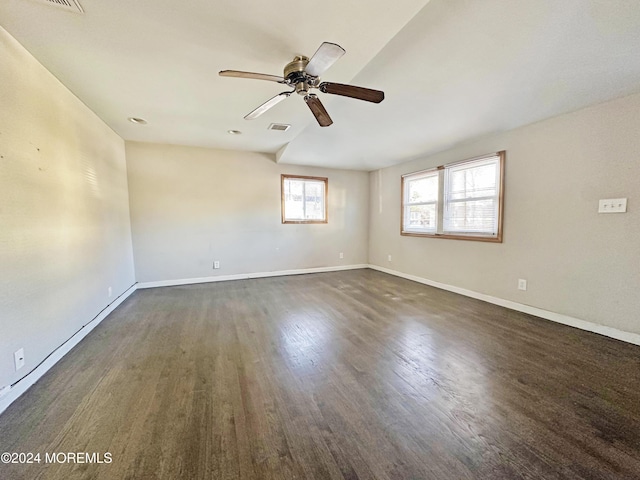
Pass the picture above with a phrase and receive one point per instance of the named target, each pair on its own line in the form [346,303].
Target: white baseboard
[11,394]
[245,276]
[520,307]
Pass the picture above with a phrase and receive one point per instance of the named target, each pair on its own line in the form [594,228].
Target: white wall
[191,206]
[577,262]
[64,215]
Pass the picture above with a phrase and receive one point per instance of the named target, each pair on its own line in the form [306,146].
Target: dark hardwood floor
[346,375]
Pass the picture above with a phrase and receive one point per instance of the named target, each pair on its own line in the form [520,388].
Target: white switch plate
[612,205]
[110,292]
[341,255]
[18,357]
[216,264]
[389,257]
[522,284]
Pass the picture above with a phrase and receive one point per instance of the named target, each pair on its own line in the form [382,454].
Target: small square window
[304,199]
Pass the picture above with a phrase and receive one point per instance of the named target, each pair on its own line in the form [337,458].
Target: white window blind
[471,197]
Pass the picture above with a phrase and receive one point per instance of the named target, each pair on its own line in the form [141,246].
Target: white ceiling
[452,70]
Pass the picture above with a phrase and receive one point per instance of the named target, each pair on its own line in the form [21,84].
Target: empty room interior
[345,240]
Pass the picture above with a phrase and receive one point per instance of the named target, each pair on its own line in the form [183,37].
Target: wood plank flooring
[345,375]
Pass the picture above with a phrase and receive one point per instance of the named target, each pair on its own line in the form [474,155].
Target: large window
[459,200]
[304,199]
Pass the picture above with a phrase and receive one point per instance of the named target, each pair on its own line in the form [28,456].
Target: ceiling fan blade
[318,110]
[324,57]
[361,93]
[256,76]
[266,105]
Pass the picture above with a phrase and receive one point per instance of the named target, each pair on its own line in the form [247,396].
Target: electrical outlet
[341,255]
[110,292]
[522,284]
[216,264]
[389,258]
[18,357]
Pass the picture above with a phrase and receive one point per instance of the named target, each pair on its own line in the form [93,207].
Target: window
[421,202]
[304,199]
[459,200]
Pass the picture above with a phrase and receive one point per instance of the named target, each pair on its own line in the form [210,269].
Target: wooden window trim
[283,177]
[476,238]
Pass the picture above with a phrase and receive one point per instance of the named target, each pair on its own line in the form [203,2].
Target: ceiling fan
[302,74]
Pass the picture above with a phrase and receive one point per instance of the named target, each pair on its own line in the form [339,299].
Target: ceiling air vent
[69,5]
[282,127]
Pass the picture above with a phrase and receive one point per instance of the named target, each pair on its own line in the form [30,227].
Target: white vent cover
[282,127]
[69,5]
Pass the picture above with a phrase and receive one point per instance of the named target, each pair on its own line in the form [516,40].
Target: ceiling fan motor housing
[295,68]
[295,75]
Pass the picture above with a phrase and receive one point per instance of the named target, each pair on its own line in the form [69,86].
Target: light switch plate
[18,357]
[612,205]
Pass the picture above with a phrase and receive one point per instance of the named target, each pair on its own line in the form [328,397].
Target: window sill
[477,238]
[304,221]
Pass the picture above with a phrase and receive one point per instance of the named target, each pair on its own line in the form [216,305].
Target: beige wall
[191,206]
[577,262]
[64,216]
